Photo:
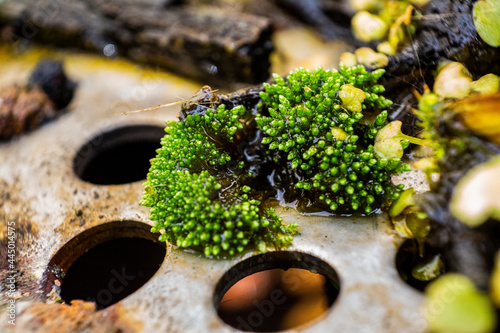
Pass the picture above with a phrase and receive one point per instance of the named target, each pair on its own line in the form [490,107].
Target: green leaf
[405,200]
[486,14]
[429,269]
[455,305]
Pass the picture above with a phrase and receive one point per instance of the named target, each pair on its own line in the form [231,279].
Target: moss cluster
[315,123]
[185,199]
[305,136]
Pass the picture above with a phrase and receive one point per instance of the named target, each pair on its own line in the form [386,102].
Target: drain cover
[55,203]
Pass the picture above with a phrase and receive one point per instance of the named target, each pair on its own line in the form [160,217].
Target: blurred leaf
[486,85]
[454,304]
[453,81]
[475,198]
[480,113]
[369,57]
[401,30]
[367,27]
[495,282]
[486,14]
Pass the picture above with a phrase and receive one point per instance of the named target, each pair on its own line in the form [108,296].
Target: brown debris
[23,109]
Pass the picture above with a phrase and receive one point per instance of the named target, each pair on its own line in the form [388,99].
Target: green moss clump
[186,200]
[314,123]
[309,139]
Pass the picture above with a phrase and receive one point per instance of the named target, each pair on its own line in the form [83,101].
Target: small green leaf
[405,200]
[429,269]
[486,14]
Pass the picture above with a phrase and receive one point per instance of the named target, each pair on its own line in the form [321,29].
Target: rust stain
[80,316]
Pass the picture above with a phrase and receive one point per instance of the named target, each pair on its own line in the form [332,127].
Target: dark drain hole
[111,271]
[279,299]
[120,156]
[411,262]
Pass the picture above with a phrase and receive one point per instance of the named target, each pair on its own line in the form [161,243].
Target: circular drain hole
[415,268]
[106,263]
[276,291]
[120,156]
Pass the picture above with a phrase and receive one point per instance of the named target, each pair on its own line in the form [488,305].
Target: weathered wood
[211,44]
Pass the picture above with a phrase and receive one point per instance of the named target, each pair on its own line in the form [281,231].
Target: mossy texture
[309,128]
[184,196]
[315,122]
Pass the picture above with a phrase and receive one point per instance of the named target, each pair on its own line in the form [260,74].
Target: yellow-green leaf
[486,14]
[453,81]
[367,27]
[352,97]
[454,304]
[486,85]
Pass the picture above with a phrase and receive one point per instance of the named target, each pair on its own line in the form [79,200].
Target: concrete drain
[107,263]
[276,291]
[41,182]
[118,157]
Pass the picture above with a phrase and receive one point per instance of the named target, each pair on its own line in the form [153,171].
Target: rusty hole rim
[278,260]
[69,253]
[137,145]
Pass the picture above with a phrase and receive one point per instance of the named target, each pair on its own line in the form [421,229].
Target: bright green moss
[304,138]
[316,129]
[184,196]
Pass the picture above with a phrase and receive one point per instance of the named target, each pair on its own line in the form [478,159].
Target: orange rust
[78,317]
